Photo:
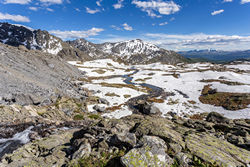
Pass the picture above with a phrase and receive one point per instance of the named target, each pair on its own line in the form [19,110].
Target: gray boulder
[151,153]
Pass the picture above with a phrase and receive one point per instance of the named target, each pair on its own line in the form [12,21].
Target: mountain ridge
[130,52]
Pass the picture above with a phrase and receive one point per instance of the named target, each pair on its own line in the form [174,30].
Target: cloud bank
[76,34]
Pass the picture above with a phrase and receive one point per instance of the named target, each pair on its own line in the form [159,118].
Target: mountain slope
[16,35]
[132,51]
[30,75]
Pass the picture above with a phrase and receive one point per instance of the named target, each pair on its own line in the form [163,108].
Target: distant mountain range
[216,56]
[130,52]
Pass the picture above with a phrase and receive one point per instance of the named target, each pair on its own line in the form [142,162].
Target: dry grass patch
[126,96]
[151,74]
[112,94]
[197,117]
[172,102]
[155,100]
[191,102]
[114,108]
[229,101]
[114,85]
[129,70]
[143,80]
[109,64]
[99,71]
[222,82]
[93,99]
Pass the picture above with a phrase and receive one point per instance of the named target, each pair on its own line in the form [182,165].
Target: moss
[94,116]
[78,117]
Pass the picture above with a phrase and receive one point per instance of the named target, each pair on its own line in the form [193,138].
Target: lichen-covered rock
[159,127]
[214,150]
[151,153]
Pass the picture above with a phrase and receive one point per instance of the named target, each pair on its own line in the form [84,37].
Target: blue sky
[171,24]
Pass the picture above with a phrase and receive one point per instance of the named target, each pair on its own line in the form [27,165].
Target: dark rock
[216,118]
[127,140]
[146,108]
[103,101]
[99,109]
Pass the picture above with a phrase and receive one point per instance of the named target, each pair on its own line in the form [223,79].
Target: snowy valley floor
[186,81]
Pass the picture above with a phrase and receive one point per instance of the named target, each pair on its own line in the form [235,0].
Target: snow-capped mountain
[132,51]
[15,35]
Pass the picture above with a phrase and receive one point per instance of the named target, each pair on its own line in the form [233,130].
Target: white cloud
[16,18]
[33,8]
[164,23]
[119,4]
[91,11]
[98,3]
[49,9]
[199,41]
[227,0]
[162,7]
[115,27]
[22,2]
[77,9]
[245,1]
[217,12]
[77,34]
[52,1]
[127,27]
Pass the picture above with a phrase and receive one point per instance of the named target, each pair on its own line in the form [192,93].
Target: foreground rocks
[140,140]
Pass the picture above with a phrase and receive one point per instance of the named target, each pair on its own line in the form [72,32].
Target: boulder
[151,153]
[146,108]
[127,140]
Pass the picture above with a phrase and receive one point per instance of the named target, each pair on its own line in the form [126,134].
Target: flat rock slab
[214,150]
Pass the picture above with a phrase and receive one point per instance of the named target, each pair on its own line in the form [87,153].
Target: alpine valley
[123,104]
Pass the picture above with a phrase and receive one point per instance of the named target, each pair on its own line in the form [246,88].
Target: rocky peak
[16,35]
[132,47]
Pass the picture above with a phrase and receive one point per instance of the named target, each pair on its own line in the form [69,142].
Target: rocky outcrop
[138,140]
